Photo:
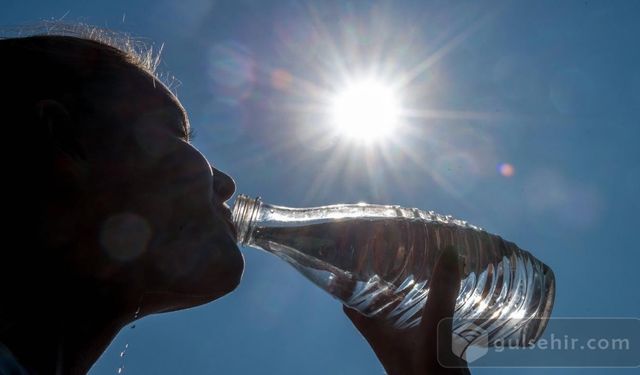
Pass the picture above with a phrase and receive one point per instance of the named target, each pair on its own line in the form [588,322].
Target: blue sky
[551,88]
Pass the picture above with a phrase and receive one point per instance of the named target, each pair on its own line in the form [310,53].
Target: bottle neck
[244,214]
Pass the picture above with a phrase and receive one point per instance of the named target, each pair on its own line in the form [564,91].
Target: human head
[114,202]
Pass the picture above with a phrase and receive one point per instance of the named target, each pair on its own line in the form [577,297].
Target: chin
[201,288]
[220,276]
[196,271]
[230,272]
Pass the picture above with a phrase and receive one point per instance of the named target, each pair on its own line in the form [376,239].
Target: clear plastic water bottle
[379,260]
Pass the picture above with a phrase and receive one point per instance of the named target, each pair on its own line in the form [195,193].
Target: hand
[414,351]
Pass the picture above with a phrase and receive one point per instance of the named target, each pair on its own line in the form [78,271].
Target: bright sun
[366,111]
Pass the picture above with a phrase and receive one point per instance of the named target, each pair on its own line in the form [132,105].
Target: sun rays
[355,98]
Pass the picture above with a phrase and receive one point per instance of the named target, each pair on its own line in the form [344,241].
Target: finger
[443,291]
[443,288]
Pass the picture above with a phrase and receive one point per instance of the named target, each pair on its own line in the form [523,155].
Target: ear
[56,122]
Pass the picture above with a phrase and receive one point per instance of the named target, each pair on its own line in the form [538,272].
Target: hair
[136,51]
[62,57]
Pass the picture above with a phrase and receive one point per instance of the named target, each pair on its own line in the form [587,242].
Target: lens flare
[506,169]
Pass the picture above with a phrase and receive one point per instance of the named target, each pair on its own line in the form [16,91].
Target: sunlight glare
[365,111]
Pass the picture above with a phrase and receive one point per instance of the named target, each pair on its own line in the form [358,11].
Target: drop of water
[126,346]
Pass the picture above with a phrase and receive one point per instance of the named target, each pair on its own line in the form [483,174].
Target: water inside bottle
[383,266]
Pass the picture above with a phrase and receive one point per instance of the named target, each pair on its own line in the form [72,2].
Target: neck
[67,340]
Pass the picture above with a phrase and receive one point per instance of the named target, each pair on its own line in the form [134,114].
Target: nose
[223,185]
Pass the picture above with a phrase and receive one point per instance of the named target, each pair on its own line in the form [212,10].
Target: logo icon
[470,343]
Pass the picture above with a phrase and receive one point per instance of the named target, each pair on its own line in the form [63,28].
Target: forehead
[149,97]
[175,110]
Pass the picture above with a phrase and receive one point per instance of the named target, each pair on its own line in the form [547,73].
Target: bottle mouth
[243,215]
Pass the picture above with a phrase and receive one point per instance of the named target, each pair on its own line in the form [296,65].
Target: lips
[226,212]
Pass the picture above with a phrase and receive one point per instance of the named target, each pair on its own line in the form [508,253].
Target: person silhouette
[113,215]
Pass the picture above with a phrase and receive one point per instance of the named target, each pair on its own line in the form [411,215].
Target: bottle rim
[244,213]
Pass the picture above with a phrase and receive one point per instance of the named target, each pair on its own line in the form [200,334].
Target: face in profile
[167,226]
[112,213]
[146,215]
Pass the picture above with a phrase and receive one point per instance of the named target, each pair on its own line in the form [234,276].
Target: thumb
[443,291]
[443,288]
